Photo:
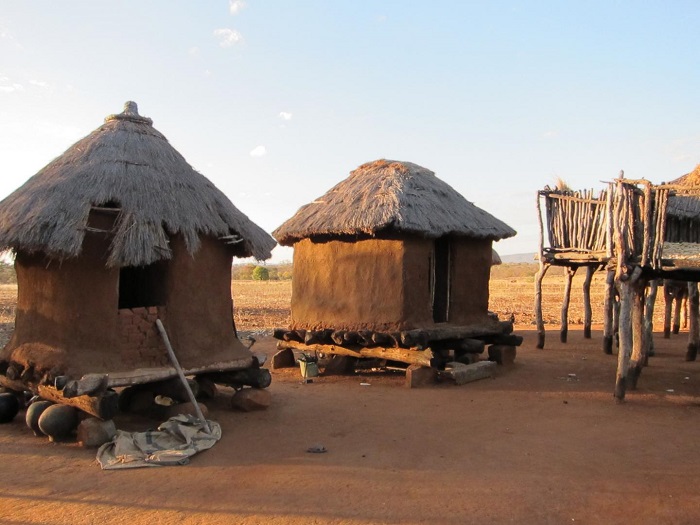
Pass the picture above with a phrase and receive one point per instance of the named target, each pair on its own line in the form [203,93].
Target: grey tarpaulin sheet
[173,443]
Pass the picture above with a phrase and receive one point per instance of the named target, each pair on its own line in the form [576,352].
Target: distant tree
[260,273]
[243,272]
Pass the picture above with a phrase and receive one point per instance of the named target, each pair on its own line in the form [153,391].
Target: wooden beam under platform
[411,356]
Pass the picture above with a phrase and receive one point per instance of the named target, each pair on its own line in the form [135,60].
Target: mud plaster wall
[385,285]
[348,285]
[66,311]
[471,271]
[68,317]
[199,317]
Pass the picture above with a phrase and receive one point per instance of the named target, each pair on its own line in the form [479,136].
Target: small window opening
[142,285]
[441,280]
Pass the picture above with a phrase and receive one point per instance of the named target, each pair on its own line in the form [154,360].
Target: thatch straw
[495,258]
[126,164]
[388,197]
[683,206]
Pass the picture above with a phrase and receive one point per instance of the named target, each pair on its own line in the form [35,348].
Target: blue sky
[277,101]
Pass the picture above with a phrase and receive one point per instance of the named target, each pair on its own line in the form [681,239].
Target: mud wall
[66,311]
[348,285]
[68,318]
[199,308]
[385,285]
[471,270]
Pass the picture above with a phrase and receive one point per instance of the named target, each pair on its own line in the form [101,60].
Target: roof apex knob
[131,108]
[131,112]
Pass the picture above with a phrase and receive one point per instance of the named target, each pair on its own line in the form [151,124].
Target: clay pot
[9,407]
[58,422]
[34,413]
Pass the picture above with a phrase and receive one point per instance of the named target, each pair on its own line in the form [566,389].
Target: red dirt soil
[534,445]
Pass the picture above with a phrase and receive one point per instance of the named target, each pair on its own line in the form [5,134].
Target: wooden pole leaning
[181,374]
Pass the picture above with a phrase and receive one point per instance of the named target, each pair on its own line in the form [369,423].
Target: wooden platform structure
[639,233]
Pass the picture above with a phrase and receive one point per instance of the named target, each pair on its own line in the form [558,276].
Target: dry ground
[543,442]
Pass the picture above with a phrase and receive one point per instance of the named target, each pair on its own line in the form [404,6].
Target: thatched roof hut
[683,211]
[386,196]
[116,232]
[390,247]
[126,164]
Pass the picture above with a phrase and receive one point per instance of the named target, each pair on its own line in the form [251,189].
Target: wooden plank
[104,406]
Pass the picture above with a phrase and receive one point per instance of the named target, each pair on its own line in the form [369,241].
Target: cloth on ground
[173,443]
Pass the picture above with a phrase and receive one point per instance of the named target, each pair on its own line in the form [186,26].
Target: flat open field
[543,442]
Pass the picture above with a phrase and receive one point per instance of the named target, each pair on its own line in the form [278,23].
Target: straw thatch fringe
[128,165]
[387,196]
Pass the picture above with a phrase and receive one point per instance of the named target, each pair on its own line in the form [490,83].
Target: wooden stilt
[625,334]
[608,312]
[638,357]
[538,279]
[538,303]
[693,325]
[668,303]
[588,311]
[568,279]
[649,319]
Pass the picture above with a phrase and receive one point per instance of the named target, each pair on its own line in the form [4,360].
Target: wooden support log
[405,355]
[649,303]
[510,340]
[694,324]
[317,336]
[538,303]
[588,311]
[255,377]
[625,333]
[104,406]
[668,306]
[568,279]
[89,384]
[338,337]
[637,357]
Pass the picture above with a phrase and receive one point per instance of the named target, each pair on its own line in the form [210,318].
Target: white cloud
[227,37]
[235,6]
[9,87]
[40,84]
[207,73]
[258,151]
[193,52]
[285,115]
[550,134]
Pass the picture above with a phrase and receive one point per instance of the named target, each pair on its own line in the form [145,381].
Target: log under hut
[392,262]
[116,233]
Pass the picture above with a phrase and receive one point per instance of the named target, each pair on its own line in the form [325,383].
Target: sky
[276,101]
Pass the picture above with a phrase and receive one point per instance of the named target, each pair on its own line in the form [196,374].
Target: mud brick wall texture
[140,342]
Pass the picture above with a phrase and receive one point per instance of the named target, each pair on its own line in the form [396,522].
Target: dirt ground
[534,445]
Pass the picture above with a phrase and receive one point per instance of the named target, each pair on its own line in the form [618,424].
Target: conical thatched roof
[387,196]
[127,164]
[683,206]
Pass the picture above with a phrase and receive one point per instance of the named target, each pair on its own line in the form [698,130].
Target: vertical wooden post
[638,357]
[678,307]
[649,319]
[538,303]
[588,311]
[625,334]
[538,279]
[568,278]
[693,325]
[668,302]
[608,312]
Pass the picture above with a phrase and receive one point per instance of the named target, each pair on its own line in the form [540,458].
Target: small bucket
[308,366]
